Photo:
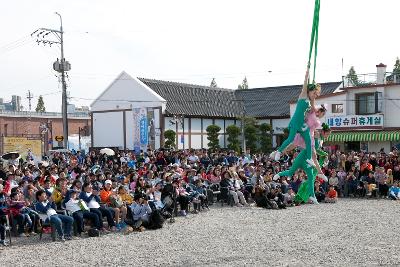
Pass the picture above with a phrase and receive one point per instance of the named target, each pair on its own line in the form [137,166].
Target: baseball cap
[107,182]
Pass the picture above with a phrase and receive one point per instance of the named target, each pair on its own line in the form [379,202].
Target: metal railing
[43,114]
[369,79]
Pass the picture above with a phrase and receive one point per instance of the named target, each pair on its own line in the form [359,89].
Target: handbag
[116,201]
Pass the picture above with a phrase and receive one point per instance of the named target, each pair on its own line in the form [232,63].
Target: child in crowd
[47,209]
[332,195]
[17,209]
[289,197]
[394,191]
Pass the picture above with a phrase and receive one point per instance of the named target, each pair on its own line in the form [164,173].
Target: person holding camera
[140,212]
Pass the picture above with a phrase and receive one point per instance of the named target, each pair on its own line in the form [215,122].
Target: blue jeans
[58,220]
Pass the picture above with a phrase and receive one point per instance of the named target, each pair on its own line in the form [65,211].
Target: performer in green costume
[303,194]
[306,190]
[297,123]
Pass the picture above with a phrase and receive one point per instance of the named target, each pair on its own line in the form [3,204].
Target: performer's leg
[297,163]
[289,140]
[310,172]
[307,140]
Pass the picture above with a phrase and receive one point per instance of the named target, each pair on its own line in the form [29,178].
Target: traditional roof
[204,101]
[195,100]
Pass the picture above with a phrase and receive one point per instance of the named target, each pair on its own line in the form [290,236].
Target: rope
[314,37]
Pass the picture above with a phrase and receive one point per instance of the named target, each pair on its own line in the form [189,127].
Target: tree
[212,136]
[213,83]
[251,133]
[40,105]
[233,137]
[170,137]
[265,137]
[396,68]
[244,84]
[352,76]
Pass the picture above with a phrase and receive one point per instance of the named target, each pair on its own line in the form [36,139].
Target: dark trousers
[320,196]
[383,190]
[80,215]
[2,232]
[21,221]
[104,212]
[140,222]
[183,201]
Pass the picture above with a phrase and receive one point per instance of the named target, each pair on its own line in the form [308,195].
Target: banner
[140,130]
[356,122]
[22,145]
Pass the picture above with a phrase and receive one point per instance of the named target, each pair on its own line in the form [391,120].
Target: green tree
[244,84]
[352,76]
[212,136]
[396,68]
[251,133]
[213,83]
[265,137]
[170,137]
[233,137]
[40,105]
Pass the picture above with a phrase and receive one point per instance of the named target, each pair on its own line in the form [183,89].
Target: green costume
[303,194]
[297,125]
[306,189]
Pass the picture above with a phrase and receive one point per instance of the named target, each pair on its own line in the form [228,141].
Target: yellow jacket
[128,199]
[57,196]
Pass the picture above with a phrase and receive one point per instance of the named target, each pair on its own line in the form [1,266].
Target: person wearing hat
[110,197]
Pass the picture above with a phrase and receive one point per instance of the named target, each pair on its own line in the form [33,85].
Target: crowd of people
[96,193]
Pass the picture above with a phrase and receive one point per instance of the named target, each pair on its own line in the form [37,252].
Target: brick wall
[30,126]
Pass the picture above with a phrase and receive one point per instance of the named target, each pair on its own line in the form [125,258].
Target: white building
[364,116]
[186,109]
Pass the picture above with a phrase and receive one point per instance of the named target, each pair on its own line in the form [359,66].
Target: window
[337,108]
[351,146]
[365,104]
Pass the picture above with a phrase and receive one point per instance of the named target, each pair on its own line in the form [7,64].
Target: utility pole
[29,96]
[61,66]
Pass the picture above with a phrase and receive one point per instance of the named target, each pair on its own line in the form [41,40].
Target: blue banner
[143,131]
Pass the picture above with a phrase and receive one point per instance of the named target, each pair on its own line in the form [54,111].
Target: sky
[189,41]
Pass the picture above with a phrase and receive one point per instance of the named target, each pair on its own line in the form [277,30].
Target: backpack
[93,232]
[156,220]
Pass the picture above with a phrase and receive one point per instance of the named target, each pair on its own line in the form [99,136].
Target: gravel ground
[348,233]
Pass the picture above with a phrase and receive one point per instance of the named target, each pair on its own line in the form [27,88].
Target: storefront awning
[364,136]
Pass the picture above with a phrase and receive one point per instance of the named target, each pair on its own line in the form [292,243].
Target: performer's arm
[304,91]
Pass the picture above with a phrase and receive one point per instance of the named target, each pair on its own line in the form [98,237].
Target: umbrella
[107,151]
[10,155]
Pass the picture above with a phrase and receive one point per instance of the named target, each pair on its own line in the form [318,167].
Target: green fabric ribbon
[314,37]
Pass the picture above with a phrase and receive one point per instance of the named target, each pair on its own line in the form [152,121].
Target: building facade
[186,109]
[364,115]
[43,127]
